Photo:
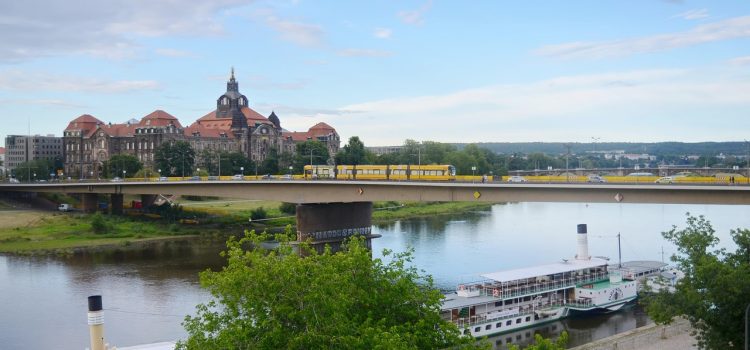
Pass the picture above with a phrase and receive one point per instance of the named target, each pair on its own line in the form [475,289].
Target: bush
[288,208]
[99,224]
[258,214]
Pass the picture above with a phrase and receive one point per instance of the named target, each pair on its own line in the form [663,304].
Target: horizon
[453,73]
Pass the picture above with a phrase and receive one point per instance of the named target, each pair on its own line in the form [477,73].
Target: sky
[387,71]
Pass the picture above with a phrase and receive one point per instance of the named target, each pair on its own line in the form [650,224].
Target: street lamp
[290,171]
[242,171]
[123,173]
[473,169]
[34,177]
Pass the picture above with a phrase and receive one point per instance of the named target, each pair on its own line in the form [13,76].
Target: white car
[238,177]
[665,180]
[596,178]
[516,178]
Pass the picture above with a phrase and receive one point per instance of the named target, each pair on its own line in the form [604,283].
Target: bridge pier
[89,202]
[148,200]
[333,223]
[116,200]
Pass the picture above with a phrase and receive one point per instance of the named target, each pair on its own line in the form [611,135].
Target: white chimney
[583,243]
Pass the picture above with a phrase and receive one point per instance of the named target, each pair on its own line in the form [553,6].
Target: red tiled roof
[210,121]
[322,127]
[118,130]
[83,122]
[206,131]
[159,118]
[297,135]
[2,150]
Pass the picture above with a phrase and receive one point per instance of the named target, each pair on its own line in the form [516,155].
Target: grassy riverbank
[29,231]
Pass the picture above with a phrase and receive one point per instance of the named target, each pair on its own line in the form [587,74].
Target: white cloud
[363,53]
[299,33]
[740,61]
[693,14]
[415,16]
[733,28]
[645,104]
[382,33]
[167,52]
[16,80]
[38,28]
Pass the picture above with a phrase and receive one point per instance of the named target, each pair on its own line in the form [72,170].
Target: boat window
[528,318]
[519,337]
[518,320]
[508,323]
[477,329]
[528,335]
[487,327]
[498,325]
[466,331]
[498,303]
[508,340]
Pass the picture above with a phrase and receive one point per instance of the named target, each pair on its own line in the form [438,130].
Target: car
[516,178]
[286,177]
[116,179]
[665,180]
[163,178]
[595,178]
[64,207]
[13,180]
[213,178]
[267,177]
[238,177]
[195,178]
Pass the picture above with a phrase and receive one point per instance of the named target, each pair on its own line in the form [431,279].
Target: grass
[422,209]
[34,231]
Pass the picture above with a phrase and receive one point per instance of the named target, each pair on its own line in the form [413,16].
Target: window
[487,327]
[528,318]
[518,320]
[477,329]
[509,323]
[498,325]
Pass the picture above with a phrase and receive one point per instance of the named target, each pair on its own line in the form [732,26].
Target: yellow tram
[381,172]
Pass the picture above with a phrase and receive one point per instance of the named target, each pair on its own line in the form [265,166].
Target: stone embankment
[651,337]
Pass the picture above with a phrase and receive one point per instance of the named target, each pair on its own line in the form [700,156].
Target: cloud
[16,80]
[566,108]
[38,28]
[299,33]
[740,61]
[738,27]
[382,33]
[363,53]
[167,52]
[415,17]
[693,14]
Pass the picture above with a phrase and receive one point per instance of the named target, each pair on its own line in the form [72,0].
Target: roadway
[335,191]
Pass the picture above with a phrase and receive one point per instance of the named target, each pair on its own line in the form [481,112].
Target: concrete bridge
[332,210]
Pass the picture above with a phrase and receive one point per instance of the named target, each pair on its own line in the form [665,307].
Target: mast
[619,251]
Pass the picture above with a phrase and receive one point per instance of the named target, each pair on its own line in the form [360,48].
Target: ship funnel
[583,243]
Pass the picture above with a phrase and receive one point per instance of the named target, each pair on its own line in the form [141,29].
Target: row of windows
[500,324]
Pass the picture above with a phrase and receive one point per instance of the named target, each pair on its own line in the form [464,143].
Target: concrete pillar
[89,202]
[116,199]
[332,223]
[148,200]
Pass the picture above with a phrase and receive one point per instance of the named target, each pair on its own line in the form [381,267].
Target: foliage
[175,159]
[278,299]
[258,214]
[541,343]
[38,169]
[353,153]
[714,292]
[310,151]
[99,224]
[270,165]
[288,208]
[115,165]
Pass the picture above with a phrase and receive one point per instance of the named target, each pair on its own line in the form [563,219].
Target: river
[147,292]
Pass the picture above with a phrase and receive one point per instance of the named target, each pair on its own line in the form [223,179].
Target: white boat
[513,299]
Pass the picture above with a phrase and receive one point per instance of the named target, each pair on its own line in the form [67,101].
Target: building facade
[232,127]
[20,149]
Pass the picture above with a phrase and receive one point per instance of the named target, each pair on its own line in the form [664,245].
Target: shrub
[258,214]
[99,224]
[288,208]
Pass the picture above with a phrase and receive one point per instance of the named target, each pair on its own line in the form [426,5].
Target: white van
[64,207]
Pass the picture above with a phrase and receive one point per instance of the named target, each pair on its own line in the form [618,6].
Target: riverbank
[650,337]
[48,232]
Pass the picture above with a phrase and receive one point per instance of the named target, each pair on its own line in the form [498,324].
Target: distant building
[232,127]
[21,148]
[2,161]
[381,150]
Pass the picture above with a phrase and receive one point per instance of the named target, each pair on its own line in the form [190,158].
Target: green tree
[545,344]
[279,299]
[353,153]
[38,169]
[115,165]
[175,159]
[305,151]
[716,287]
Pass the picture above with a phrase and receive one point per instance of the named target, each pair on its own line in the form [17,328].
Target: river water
[147,291]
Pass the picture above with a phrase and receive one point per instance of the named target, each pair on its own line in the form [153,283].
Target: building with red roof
[232,127]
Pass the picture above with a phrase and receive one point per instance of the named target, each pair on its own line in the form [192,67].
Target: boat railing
[523,312]
[504,290]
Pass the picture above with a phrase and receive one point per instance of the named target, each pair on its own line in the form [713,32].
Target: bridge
[331,210]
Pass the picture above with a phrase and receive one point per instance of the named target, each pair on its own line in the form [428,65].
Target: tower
[230,104]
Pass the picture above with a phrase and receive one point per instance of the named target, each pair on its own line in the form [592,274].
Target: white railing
[505,291]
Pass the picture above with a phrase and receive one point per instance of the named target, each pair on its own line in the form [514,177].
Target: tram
[381,172]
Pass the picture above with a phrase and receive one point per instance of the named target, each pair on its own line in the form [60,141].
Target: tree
[541,343]
[119,162]
[716,287]
[308,151]
[175,159]
[279,299]
[353,153]
[38,169]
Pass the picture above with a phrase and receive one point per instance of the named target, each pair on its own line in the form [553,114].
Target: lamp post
[219,165]
[159,174]
[242,171]
[123,173]
[91,174]
[473,169]
[290,171]
[34,177]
